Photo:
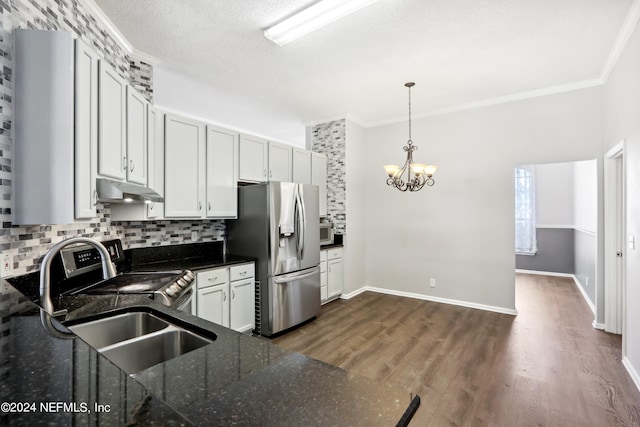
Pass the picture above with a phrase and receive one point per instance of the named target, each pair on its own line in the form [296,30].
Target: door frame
[614,240]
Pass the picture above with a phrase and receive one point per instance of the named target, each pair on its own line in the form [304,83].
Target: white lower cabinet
[226,296]
[330,274]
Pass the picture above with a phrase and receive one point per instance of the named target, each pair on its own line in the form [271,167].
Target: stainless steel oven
[326,233]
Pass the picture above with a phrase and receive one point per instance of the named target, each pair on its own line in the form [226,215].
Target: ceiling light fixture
[310,19]
[418,174]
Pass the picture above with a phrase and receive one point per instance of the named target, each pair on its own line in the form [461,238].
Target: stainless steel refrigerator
[278,224]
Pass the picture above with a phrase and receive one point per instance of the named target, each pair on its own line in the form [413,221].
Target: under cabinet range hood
[125,192]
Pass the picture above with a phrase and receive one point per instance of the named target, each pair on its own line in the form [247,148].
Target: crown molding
[495,101]
[145,57]
[103,19]
[114,32]
[623,37]
[627,29]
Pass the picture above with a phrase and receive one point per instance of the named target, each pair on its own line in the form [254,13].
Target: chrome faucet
[45,275]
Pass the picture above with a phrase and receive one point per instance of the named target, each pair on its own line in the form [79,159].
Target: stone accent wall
[330,138]
[27,244]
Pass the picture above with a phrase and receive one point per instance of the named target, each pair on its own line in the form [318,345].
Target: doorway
[614,239]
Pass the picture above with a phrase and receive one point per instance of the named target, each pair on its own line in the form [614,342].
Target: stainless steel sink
[136,341]
[139,354]
[111,330]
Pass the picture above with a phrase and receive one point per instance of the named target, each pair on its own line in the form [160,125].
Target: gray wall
[585,262]
[555,252]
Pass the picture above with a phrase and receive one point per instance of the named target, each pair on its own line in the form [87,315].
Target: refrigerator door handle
[303,222]
[296,276]
[299,222]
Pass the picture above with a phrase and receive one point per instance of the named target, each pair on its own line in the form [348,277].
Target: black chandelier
[418,174]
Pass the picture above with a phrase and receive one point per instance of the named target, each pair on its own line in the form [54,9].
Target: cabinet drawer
[323,256]
[212,277]
[243,271]
[334,253]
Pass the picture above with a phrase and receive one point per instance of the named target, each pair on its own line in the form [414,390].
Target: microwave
[326,233]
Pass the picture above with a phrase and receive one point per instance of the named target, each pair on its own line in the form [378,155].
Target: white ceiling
[459,52]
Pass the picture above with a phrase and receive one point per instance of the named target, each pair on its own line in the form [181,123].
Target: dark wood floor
[545,367]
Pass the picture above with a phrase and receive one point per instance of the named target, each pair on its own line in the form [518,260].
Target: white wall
[356,239]
[461,231]
[554,194]
[622,121]
[585,200]
[183,95]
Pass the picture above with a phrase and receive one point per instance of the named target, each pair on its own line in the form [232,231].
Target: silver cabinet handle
[209,205]
[242,273]
[270,174]
[264,173]
[211,279]
[124,163]
[95,197]
[151,205]
[233,294]
[199,206]
[132,165]
[225,296]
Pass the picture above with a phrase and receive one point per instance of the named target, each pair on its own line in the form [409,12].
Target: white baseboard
[354,293]
[510,311]
[577,283]
[544,273]
[632,372]
[597,325]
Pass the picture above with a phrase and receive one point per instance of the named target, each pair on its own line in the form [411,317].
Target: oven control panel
[81,258]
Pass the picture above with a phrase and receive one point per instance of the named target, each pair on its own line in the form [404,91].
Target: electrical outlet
[7,266]
[432,283]
[194,236]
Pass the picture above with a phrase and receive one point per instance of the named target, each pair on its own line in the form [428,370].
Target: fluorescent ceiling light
[310,19]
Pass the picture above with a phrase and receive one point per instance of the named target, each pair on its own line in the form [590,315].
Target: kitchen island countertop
[238,379]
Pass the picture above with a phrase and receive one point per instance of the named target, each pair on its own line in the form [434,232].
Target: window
[525,210]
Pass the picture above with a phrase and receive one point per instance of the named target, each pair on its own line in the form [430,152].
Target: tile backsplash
[27,244]
[329,138]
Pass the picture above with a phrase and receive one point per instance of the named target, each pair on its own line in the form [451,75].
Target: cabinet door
[222,173]
[319,178]
[279,162]
[334,277]
[86,131]
[301,170]
[151,147]
[112,160]
[184,167]
[136,137]
[213,304]
[242,305]
[253,159]
[324,294]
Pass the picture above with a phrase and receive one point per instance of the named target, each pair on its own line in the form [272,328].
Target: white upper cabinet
[301,169]
[280,162]
[136,137]
[86,131]
[53,135]
[184,168]
[112,156]
[254,157]
[319,178]
[222,173]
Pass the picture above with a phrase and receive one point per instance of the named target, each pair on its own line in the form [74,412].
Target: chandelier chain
[410,141]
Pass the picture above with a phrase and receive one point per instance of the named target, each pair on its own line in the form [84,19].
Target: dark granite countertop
[236,380]
[331,246]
